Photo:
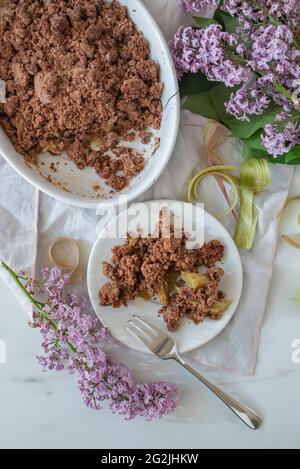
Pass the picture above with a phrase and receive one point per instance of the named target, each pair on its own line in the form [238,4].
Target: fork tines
[143,331]
[151,336]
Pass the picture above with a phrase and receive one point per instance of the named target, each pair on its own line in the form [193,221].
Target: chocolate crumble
[164,267]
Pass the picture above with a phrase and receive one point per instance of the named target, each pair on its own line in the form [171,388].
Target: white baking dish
[80,187]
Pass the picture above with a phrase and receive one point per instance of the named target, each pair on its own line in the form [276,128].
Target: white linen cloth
[30,220]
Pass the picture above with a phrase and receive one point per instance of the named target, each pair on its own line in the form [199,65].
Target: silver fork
[165,348]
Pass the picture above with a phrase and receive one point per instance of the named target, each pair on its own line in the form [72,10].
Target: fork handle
[248,416]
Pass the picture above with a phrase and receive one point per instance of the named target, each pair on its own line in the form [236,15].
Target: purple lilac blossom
[288,10]
[281,116]
[185,47]
[265,46]
[203,50]
[213,58]
[246,102]
[242,9]
[278,142]
[197,6]
[260,10]
[270,48]
[72,340]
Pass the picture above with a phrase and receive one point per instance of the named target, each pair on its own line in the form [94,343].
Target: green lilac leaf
[204,22]
[201,104]
[230,22]
[194,83]
[293,155]
[245,129]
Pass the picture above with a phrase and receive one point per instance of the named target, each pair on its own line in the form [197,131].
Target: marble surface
[44,410]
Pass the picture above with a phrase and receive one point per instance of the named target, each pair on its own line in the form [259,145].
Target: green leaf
[291,158]
[204,22]
[201,104]
[277,160]
[219,95]
[249,152]
[230,22]
[245,129]
[254,141]
[218,17]
[280,160]
[194,83]
[293,162]
[293,155]
[210,103]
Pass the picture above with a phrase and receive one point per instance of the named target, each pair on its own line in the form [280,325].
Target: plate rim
[210,216]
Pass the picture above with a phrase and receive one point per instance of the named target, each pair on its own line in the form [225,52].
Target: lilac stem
[37,304]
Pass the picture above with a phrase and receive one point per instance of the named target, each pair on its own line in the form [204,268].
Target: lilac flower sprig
[73,340]
[261,59]
[276,11]
[194,6]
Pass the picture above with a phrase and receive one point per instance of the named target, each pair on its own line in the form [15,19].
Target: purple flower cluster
[258,10]
[205,50]
[247,101]
[194,6]
[262,57]
[72,340]
[279,141]
[270,48]
[286,11]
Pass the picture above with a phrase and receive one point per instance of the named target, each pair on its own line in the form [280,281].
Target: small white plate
[84,188]
[188,336]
